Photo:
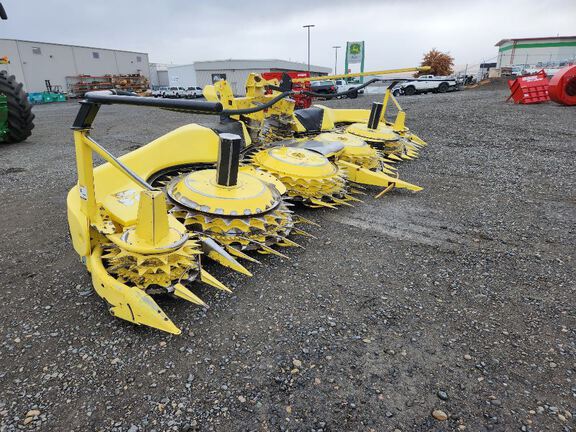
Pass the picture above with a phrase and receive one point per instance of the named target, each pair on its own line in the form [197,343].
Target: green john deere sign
[355,52]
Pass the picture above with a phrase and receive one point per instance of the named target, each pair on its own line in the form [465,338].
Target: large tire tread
[410,90]
[20,116]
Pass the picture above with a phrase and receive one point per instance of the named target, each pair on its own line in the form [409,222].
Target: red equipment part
[563,86]
[529,89]
[301,100]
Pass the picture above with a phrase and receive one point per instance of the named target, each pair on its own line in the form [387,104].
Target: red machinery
[302,100]
[562,87]
[529,89]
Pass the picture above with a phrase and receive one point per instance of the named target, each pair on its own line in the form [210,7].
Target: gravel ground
[457,302]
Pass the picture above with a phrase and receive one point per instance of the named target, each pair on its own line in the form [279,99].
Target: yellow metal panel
[346,115]
[129,303]
[152,225]
[365,176]
[185,145]
[78,224]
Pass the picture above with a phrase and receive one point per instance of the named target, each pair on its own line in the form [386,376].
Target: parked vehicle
[159,92]
[323,87]
[426,84]
[343,85]
[193,92]
[175,92]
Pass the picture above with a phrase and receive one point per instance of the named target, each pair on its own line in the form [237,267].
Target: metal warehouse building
[536,51]
[159,75]
[35,62]
[236,71]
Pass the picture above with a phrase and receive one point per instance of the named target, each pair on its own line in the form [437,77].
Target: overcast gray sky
[397,33]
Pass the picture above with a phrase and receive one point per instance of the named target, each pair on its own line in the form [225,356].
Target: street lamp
[336,59]
[308,27]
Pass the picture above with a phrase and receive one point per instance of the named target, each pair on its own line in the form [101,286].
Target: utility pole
[336,59]
[308,26]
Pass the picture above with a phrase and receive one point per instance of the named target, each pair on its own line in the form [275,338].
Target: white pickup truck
[193,92]
[175,92]
[159,92]
[342,86]
[426,84]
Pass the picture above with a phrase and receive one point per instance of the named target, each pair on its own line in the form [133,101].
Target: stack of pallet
[130,82]
[80,84]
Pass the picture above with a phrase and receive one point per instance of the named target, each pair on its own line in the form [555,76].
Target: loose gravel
[446,310]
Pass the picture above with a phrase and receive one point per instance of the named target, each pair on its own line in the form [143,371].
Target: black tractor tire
[443,87]
[20,117]
[410,90]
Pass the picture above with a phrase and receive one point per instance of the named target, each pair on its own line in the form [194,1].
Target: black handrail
[191,106]
[92,101]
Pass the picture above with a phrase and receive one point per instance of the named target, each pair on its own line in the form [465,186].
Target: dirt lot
[459,298]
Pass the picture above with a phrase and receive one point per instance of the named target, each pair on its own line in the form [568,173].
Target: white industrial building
[182,76]
[35,62]
[159,75]
[234,71]
[541,51]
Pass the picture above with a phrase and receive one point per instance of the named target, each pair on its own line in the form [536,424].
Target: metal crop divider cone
[235,208]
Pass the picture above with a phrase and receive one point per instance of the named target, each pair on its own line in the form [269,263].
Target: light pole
[336,59]
[308,27]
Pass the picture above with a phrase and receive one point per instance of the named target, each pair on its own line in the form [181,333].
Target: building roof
[558,38]
[75,46]
[257,64]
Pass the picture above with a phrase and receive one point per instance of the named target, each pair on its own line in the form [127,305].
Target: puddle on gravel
[12,170]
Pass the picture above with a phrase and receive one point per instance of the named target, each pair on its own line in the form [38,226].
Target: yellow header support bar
[362,74]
